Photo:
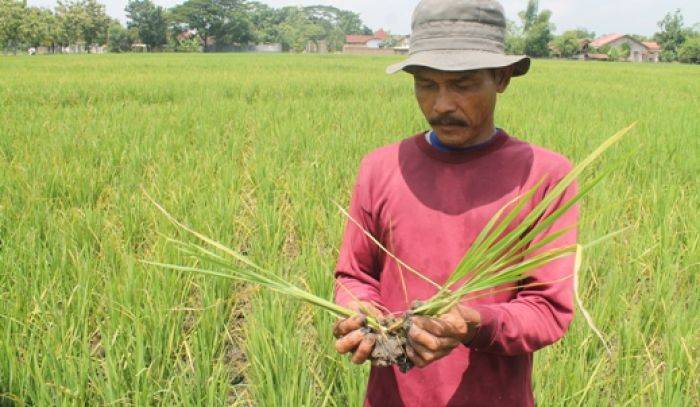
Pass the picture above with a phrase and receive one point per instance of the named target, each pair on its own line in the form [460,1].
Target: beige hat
[460,35]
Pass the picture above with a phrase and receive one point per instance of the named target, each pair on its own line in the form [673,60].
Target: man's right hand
[351,335]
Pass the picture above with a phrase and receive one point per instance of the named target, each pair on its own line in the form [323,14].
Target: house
[367,41]
[654,50]
[372,44]
[639,51]
[402,44]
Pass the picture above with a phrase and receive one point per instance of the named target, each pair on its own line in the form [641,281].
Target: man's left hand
[434,338]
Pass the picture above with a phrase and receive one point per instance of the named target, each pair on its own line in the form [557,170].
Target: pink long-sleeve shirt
[427,207]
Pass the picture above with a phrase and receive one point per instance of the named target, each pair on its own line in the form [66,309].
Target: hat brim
[457,61]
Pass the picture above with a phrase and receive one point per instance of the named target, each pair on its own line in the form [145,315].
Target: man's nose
[444,102]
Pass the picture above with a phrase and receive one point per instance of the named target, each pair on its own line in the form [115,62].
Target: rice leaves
[495,259]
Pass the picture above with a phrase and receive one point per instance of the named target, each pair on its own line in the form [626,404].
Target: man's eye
[426,85]
[465,86]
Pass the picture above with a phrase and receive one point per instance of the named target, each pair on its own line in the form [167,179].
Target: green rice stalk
[494,259]
[250,273]
[492,251]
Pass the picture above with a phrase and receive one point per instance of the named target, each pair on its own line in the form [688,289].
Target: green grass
[253,150]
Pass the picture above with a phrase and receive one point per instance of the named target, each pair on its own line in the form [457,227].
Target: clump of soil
[390,346]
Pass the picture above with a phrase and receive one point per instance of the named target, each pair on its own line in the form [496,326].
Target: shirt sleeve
[356,272]
[539,315]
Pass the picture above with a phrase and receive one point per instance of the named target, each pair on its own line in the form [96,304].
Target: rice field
[254,150]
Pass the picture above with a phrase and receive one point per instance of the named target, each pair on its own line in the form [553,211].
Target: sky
[600,16]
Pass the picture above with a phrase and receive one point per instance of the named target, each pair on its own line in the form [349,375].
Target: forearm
[349,289]
[519,327]
[541,311]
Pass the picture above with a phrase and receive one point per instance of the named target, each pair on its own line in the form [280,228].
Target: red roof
[598,56]
[363,39]
[606,39]
[651,45]
[381,34]
[358,39]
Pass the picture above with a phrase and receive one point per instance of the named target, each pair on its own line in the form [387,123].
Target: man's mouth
[448,123]
[450,127]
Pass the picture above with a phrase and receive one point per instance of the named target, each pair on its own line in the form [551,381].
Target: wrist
[472,319]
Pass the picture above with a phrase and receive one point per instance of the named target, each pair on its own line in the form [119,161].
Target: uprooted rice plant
[503,254]
[257,160]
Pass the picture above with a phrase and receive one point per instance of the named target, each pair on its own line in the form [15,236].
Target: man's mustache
[447,120]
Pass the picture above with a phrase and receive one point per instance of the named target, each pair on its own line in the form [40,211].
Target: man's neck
[434,141]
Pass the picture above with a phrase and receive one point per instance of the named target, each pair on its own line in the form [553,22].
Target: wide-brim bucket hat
[460,35]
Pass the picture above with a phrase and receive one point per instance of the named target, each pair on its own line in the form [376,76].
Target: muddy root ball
[390,347]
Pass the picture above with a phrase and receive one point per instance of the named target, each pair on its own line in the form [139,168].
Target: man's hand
[434,338]
[351,336]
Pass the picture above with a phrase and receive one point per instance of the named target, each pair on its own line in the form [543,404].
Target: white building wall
[637,50]
[653,56]
[373,43]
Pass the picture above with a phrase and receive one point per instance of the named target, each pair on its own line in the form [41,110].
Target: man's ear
[502,77]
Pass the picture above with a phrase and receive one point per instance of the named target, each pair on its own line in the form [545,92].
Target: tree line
[534,35]
[185,27]
[193,24]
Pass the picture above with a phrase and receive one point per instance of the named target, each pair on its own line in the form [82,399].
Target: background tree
[640,38]
[689,52]
[534,36]
[613,54]
[583,33]
[119,39]
[235,27]
[297,29]
[671,36]
[36,26]
[266,23]
[568,44]
[69,17]
[11,24]
[515,42]
[529,15]
[538,37]
[83,21]
[333,24]
[350,22]
[95,23]
[224,19]
[625,52]
[150,21]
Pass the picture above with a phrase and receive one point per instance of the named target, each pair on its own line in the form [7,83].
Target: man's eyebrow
[465,77]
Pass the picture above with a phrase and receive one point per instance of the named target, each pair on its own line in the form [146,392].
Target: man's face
[460,105]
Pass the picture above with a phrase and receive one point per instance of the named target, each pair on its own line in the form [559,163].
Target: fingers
[349,342]
[426,348]
[450,325]
[422,357]
[434,327]
[429,341]
[359,343]
[345,326]
[415,357]
[364,349]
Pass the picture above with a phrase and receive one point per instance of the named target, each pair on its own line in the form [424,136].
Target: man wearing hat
[426,198]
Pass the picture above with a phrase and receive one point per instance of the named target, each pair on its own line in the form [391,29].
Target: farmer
[426,198]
